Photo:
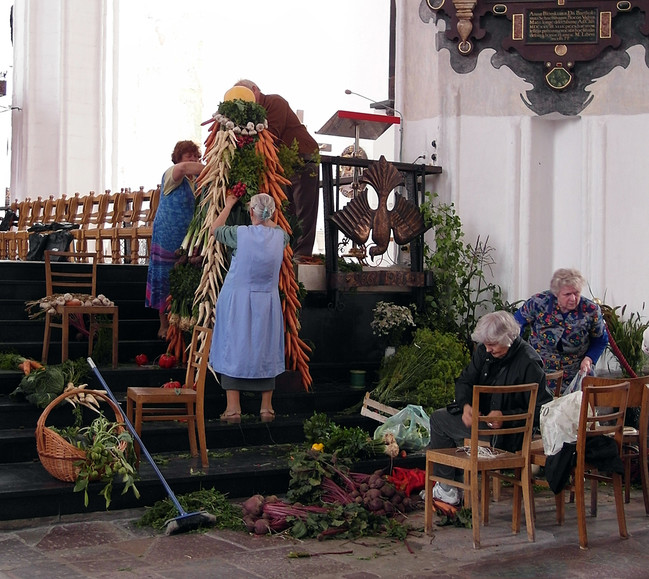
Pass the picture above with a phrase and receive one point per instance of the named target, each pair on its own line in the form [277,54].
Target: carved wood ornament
[357,219]
[559,46]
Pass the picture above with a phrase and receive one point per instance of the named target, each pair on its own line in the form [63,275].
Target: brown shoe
[266,415]
[231,417]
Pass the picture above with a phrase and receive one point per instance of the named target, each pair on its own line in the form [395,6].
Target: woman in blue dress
[172,219]
[248,338]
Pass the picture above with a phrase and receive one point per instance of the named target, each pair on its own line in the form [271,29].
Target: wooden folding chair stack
[186,404]
[144,232]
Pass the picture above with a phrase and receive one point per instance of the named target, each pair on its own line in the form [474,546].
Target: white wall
[548,191]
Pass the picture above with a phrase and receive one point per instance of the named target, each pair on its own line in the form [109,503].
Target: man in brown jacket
[303,191]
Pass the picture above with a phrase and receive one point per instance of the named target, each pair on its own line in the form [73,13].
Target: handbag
[54,241]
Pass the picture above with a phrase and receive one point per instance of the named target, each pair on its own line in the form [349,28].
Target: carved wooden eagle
[357,218]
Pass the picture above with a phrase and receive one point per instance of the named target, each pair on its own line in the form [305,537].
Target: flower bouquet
[391,322]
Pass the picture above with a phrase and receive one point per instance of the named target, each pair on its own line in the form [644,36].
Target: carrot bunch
[28,365]
[177,346]
[296,351]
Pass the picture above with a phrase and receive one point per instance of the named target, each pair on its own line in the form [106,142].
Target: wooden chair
[634,441]
[557,379]
[79,277]
[186,404]
[611,400]
[144,230]
[475,463]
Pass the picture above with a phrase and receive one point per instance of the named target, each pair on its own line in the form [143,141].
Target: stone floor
[108,544]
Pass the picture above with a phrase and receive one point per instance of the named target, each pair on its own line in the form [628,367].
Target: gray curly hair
[496,328]
[567,277]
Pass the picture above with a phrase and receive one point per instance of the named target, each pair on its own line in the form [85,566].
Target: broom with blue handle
[185,521]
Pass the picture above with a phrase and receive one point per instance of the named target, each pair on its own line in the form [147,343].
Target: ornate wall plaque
[559,46]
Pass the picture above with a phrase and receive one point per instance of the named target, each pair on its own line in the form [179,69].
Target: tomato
[172,384]
[167,361]
[141,359]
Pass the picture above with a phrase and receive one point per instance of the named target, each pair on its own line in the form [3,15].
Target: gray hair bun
[263,206]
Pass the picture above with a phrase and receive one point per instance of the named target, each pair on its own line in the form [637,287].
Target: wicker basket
[57,455]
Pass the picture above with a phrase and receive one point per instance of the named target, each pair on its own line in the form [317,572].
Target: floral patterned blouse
[563,340]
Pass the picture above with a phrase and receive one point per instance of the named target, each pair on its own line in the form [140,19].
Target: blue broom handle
[131,428]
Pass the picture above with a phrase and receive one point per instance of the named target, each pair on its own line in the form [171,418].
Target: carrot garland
[214,183]
[295,350]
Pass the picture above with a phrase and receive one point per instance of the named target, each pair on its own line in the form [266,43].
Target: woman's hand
[586,365]
[467,415]
[230,202]
[494,422]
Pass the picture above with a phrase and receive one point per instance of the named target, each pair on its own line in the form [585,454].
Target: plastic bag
[410,426]
[560,421]
[575,384]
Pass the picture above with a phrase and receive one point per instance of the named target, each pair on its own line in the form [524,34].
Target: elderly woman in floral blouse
[566,329]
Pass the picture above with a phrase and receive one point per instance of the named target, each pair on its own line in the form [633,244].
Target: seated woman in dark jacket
[501,357]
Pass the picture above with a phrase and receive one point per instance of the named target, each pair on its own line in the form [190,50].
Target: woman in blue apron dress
[248,338]
[172,219]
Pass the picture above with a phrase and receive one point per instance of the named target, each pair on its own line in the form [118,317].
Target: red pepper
[167,361]
[141,359]
[172,384]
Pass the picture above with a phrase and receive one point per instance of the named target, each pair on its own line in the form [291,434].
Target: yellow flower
[318,446]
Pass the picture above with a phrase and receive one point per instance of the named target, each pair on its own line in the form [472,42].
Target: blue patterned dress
[248,335]
[563,340]
[172,219]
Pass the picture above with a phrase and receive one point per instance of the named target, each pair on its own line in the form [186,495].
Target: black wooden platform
[247,458]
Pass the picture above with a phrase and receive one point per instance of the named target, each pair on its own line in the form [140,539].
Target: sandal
[231,417]
[266,415]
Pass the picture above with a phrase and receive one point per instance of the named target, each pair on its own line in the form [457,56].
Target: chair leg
[137,425]
[580,500]
[65,336]
[428,498]
[593,498]
[191,429]
[475,507]
[644,477]
[46,339]
[627,479]
[516,503]
[115,319]
[485,495]
[619,505]
[202,441]
[528,502]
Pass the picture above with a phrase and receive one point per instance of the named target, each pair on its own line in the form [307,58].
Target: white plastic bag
[560,421]
[575,383]
[410,426]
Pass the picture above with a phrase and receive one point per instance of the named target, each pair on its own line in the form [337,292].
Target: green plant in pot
[625,337]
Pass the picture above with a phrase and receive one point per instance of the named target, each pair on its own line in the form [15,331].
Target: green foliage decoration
[423,372]
[461,293]
[628,334]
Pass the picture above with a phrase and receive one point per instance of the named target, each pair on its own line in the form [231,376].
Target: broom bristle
[189,522]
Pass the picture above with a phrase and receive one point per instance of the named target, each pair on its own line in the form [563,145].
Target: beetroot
[253,506]
[262,527]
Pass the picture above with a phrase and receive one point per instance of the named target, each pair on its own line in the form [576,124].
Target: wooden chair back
[60,278]
[76,273]
[146,404]
[489,461]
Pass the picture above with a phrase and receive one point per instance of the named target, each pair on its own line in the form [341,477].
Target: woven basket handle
[101,394]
